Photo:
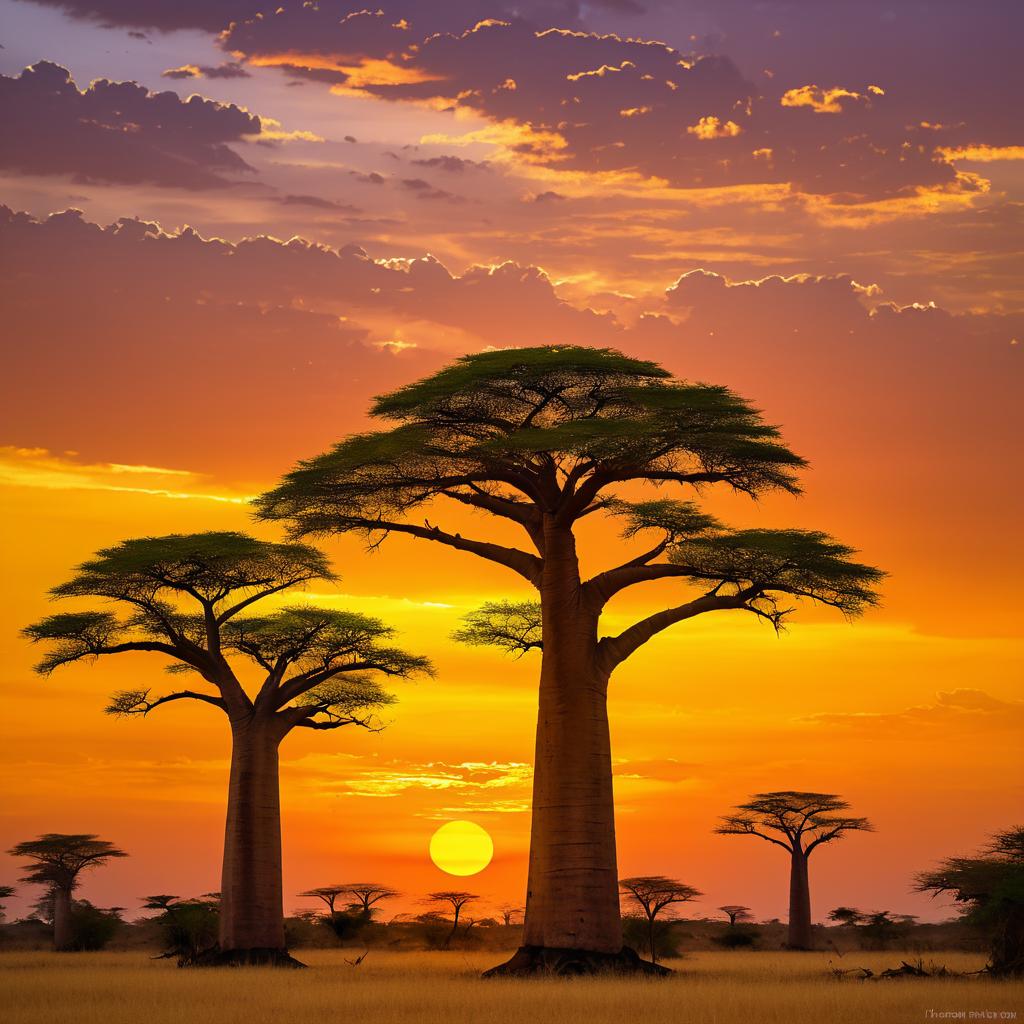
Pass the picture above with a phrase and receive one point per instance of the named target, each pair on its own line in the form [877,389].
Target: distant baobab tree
[458,900]
[736,913]
[56,860]
[799,823]
[360,896]
[508,912]
[653,893]
[190,598]
[990,890]
[541,438]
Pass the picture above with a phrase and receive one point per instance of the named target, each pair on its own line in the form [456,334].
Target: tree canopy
[798,822]
[56,859]
[186,597]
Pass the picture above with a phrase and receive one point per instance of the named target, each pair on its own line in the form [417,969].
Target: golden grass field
[442,988]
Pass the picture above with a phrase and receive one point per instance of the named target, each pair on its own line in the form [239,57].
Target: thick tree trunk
[62,934]
[252,915]
[572,900]
[799,903]
[1008,946]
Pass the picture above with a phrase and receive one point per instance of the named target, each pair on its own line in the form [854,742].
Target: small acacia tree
[6,892]
[457,899]
[990,889]
[799,823]
[189,598]
[56,860]
[653,893]
[542,438]
[736,913]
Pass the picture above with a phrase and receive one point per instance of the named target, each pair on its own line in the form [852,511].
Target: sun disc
[461,848]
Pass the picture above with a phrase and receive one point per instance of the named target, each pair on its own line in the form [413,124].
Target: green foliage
[508,419]
[513,626]
[988,887]
[676,520]
[208,566]
[800,563]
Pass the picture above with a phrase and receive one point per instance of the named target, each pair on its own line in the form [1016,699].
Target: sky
[226,225]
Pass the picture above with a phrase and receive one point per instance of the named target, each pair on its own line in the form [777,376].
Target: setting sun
[461,848]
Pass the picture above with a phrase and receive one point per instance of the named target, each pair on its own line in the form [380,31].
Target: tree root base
[544,961]
[217,957]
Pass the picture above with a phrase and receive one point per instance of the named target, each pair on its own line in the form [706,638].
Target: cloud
[965,708]
[586,102]
[118,132]
[827,101]
[227,69]
[40,468]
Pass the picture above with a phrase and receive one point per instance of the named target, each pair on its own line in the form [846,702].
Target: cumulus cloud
[227,69]
[118,132]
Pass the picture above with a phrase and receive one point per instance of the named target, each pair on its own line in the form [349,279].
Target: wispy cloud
[41,468]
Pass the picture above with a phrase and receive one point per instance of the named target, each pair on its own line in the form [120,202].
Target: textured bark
[62,935]
[572,900]
[799,903]
[252,914]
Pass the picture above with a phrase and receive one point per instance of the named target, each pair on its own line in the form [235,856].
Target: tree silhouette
[990,889]
[56,860]
[457,899]
[359,898]
[184,597]
[845,916]
[508,912]
[541,438]
[653,893]
[6,892]
[736,912]
[799,823]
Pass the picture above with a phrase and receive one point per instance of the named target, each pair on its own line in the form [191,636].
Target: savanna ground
[445,988]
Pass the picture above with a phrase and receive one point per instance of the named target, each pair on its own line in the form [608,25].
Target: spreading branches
[798,822]
[358,896]
[57,859]
[512,626]
[184,597]
[653,894]
[126,703]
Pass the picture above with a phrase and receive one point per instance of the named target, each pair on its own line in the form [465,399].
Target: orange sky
[868,301]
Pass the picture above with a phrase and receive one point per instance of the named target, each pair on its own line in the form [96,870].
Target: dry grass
[444,988]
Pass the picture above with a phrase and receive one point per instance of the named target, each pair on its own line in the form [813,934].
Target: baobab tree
[190,599]
[736,913]
[508,912]
[56,861]
[457,900]
[653,893]
[542,438]
[799,823]
[990,890]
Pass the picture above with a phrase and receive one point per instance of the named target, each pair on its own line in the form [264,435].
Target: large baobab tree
[799,823]
[990,890]
[190,598]
[653,893]
[56,860]
[542,438]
